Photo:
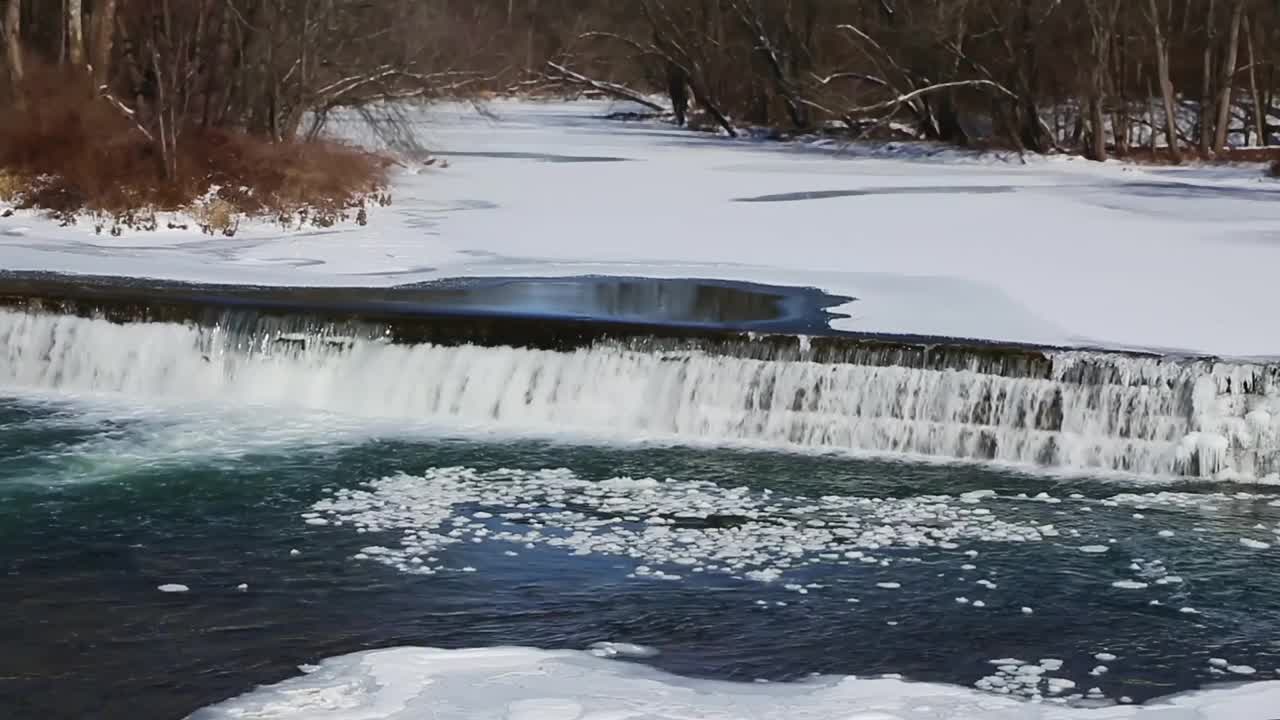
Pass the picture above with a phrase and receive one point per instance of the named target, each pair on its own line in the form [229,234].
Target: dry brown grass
[72,153]
[1162,156]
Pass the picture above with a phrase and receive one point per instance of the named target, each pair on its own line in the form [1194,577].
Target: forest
[170,88]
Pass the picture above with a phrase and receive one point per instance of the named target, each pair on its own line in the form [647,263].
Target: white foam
[172,588]
[1133,417]
[510,683]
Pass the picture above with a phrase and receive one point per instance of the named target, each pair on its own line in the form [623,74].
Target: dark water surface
[679,302]
[101,503]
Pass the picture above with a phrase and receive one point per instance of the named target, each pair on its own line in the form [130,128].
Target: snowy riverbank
[1055,251]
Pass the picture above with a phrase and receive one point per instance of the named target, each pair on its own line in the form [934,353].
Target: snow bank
[523,684]
[938,243]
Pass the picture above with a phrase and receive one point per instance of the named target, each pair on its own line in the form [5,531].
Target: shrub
[69,151]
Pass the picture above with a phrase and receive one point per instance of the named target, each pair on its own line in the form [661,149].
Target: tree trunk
[13,47]
[1259,113]
[1166,85]
[528,37]
[1206,86]
[75,33]
[1097,129]
[1029,131]
[1228,71]
[1152,124]
[103,27]
[1102,26]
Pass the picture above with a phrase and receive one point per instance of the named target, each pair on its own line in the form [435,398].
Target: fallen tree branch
[127,112]
[908,97]
[608,88]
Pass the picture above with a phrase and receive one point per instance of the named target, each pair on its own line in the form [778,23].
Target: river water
[190,512]
[352,536]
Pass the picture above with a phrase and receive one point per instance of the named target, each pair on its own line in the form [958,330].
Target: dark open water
[102,501]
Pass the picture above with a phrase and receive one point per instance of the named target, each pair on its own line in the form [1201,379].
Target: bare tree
[75,33]
[14,50]
[1102,20]
[1166,84]
[1227,71]
[103,30]
[1259,109]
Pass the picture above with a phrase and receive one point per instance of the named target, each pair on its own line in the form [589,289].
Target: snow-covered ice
[1055,250]
[409,683]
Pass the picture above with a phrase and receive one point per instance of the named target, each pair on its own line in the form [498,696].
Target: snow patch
[409,683]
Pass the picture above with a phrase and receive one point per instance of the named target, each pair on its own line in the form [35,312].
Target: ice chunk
[172,588]
[1129,585]
[621,649]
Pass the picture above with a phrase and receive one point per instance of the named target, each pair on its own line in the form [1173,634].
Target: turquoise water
[103,500]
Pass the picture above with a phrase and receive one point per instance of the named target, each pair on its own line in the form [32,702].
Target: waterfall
[1081,411]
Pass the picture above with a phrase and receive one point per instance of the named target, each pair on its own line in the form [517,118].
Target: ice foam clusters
[669,527]
[1200,502]
[1090,411]
[1035,682]
[524,684]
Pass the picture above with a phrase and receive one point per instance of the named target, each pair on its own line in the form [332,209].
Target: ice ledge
[411,683]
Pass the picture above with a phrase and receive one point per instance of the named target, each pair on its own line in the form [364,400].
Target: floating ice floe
[697,525]
[1129,585]
[620,649]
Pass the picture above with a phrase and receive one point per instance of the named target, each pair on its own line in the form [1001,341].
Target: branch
[848,76]
[608,88]
[622,39]
[908,97]
[126,111]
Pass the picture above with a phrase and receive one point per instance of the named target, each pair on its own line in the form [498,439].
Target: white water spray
[1094,411]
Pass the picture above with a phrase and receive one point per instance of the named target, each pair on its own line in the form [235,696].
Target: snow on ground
[526,684]
[930,241]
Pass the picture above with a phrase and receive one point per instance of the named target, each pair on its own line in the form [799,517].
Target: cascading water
[1086,411]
